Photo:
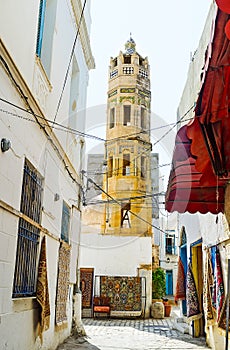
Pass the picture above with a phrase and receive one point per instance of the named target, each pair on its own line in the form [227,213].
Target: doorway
[169,282]
[197,268]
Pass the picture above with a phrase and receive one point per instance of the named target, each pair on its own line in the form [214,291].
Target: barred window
[113,74]
[128,70]
[28,235]
[143,73]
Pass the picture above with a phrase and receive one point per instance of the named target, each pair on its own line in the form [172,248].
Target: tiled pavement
[138,334]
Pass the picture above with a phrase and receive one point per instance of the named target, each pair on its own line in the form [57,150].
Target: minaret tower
[128,146]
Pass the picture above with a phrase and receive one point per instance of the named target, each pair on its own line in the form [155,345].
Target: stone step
[181,327]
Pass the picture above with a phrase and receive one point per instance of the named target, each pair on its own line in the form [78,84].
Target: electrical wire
[124,199]
[116,201]
[80,133]
[58,126]
[70,60]
[98,173]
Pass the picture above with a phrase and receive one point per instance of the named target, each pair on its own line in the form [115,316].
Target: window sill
[24,304]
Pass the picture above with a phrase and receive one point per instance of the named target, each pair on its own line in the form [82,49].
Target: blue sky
[166,31]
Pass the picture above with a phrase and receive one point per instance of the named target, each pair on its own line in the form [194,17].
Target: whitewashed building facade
[44,63]
[203,217]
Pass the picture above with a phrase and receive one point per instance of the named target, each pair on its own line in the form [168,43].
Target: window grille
[128,70]
[28,235]
[114,74]
[143,73]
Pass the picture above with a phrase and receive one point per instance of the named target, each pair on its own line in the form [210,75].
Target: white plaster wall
[18,27]
[117,256]
[195,69]
[27,141]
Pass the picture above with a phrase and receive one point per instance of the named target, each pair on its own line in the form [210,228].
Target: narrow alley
[132,334]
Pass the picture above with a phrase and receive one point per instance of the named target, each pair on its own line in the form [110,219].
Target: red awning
[213,104]
[201,159]
[188,189]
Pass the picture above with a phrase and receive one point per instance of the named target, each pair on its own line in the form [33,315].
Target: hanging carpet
[62,283]
[42,292]
[219,285]
[223,316]
[181,282]
[208,286]
[124,292]
[193,308]
[86,286]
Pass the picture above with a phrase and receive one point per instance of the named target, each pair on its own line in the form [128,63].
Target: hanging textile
[86,286]
[124,292]
[223,316]
[181,282]
[213,289]
[219,285]
[62,283]
[207,290]
[193,308]
[42,292]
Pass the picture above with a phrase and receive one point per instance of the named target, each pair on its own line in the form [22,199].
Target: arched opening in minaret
[127,115]
[125,219]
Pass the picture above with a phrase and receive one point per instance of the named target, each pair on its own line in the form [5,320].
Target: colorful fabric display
[193,308]
[181,282]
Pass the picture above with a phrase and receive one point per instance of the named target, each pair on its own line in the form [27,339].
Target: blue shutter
[65,222]
[41,20]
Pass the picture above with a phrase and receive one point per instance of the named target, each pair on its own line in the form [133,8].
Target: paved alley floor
[116,334]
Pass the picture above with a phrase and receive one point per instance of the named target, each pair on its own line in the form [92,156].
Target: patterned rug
[86,286]
[207,291]
[124,292]
[219,285]
[223,316]
[62,283]
[193,308]
[42,292]
[181,282]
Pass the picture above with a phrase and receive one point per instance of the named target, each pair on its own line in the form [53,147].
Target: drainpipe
[227,307]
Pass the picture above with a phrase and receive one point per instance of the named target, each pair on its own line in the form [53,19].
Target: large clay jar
[167,310]
[157,310]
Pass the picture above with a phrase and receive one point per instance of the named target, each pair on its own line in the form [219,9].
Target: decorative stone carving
[41,84]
